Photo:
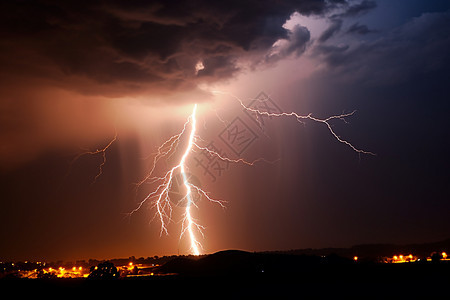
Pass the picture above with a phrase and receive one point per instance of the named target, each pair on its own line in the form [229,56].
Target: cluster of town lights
[63,272]
[408,258]
[411,258]
[129,269]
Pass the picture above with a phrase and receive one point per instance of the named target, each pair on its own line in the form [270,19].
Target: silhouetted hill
[223,262]
[236,262]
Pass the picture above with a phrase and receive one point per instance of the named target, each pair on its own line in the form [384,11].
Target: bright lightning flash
[160,195]
[190,222]
[92,152]
[300,119]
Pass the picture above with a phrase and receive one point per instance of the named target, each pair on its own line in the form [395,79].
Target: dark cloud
[346,10]
[122,47]
[357,28]
[418,47]
[335,26]
[359,9]
[295,43]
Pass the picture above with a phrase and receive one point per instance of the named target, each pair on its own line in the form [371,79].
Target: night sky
[73,74]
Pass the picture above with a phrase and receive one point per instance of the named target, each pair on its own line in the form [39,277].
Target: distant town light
[444,255]
[355,258]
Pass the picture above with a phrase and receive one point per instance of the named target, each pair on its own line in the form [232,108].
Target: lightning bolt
[188,217]
[101,151]
[161,193]
[160,197]
[300,118]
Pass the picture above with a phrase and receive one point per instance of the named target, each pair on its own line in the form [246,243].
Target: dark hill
[236,262]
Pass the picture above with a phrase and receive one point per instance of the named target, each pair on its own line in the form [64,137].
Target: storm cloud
[416,48]
[117,48]
[357,28]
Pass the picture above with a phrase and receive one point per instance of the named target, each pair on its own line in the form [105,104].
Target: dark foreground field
[358,281]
